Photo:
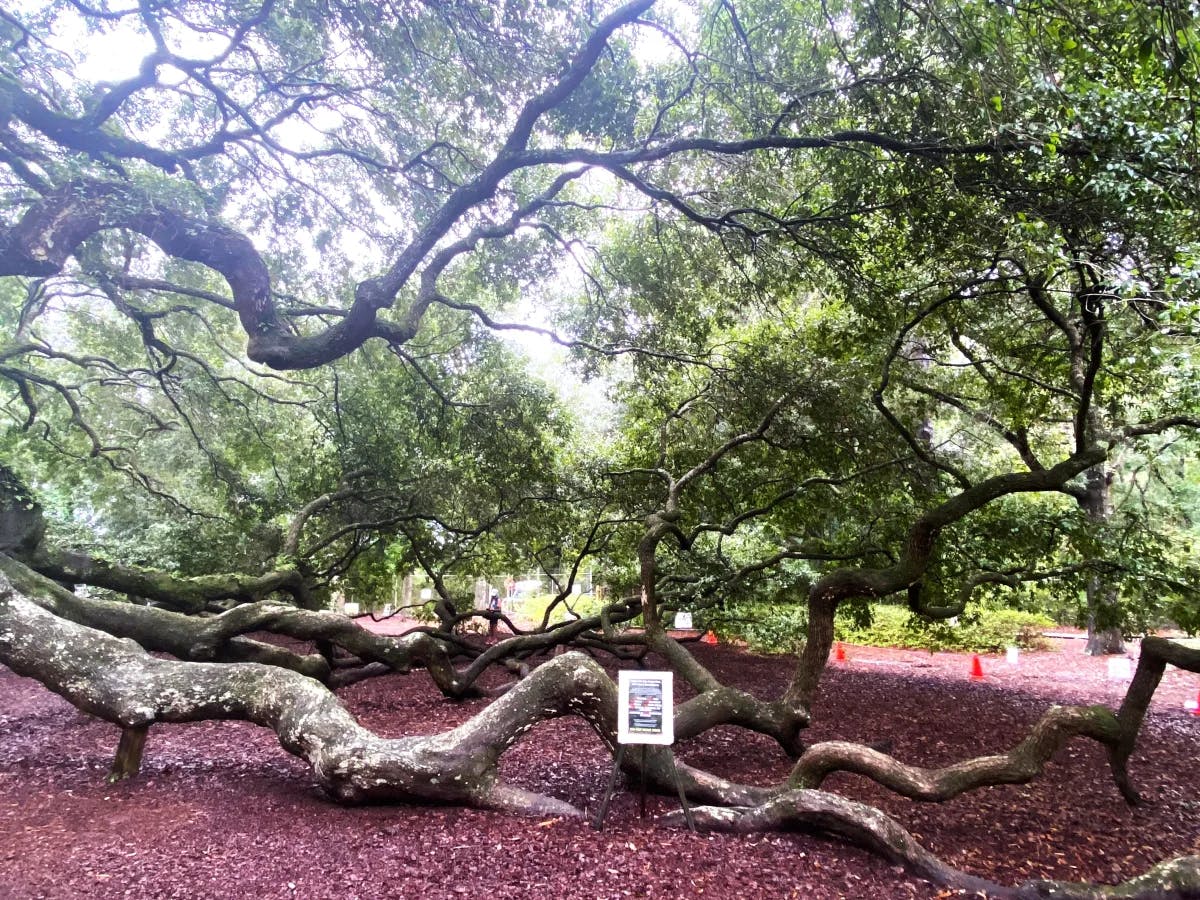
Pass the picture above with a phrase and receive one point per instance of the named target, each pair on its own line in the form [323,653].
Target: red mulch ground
[221,811]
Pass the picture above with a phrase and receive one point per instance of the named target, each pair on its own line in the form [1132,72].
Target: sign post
[645,716]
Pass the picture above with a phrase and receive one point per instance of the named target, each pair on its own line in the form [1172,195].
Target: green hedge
[774,628]
[534,607]
[765,627]
[979,630]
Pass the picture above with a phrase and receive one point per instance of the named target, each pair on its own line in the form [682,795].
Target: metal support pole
[598,824]
[642,798]
[687,810]
[612,787]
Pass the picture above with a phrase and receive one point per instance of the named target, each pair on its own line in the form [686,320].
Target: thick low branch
[188,595]
[221,638]
[868,827]
[1175,879]
[861,824]
[1155,654]
[400,654]
[119,682]
[1024,762]
[1019,765]
[718,704]
[841,584]
[161,630]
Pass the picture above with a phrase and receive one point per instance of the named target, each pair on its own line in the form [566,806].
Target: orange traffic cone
[709,637]
[839,653]
[976,667]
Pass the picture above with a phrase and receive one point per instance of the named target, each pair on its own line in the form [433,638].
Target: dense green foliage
[901,248]
[779,628]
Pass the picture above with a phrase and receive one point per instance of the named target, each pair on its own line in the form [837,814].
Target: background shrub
[780,628]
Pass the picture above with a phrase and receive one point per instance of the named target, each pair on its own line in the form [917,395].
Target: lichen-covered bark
[1175,879]
[185,637]
[221,638]
[187,595]
[803,806]
[719,704]
[116,680]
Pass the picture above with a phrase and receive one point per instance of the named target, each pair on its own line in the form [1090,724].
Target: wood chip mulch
[220,810]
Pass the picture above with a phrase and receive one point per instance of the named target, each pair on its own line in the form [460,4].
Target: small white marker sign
[1012,656]
[645,707]
[683,621]
[1119,669]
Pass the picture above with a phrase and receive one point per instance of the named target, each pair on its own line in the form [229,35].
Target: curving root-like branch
[1175,879]
[874,830]
[185,637]
[1155,654]
[186,595]
[1024,762]
[718,704]
[116,680]
[221,638]
[863,825]
[1019,765]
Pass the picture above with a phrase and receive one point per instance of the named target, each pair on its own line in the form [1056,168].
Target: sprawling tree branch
[831,589]
[868,827]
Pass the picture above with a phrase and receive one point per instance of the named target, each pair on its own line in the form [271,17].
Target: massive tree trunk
[118,681]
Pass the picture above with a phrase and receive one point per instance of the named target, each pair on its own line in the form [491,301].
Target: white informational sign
[1012,655]
[350,609]
[426,593]
[683,621]
[1120,669]
[645,707]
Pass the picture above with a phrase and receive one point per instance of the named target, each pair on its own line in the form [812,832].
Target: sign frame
[645,707]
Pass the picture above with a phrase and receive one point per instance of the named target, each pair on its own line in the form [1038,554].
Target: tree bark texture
[1103,603]
[128,761]
[116,680]
[186,595]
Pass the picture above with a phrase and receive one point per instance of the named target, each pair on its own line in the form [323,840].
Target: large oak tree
[895,250]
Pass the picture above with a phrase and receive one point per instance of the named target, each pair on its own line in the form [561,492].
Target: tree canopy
[882,299]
